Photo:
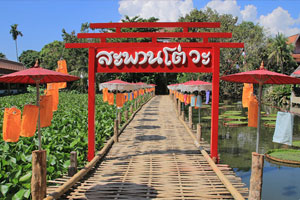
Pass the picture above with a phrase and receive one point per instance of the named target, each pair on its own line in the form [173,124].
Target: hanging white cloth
[284,128]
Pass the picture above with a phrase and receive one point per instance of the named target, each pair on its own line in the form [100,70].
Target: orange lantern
[29,120]
[119,100]
[46,110]
[62,68]
[11,124]
[247,91]
[252,112]
[55,98]
[111,98]
[105,94]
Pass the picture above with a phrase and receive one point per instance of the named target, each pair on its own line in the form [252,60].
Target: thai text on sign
[166,57]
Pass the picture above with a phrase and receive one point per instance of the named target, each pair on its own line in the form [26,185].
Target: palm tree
[15,33]
[281,50]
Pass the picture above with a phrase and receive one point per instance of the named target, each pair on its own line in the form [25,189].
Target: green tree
[280,54]
[231,60]
[50,54]
[15,33]
[29,57]
[2,55]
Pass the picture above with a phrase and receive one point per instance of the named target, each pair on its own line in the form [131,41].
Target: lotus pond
[280,181]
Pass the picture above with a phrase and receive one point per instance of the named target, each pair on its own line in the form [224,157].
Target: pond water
[236,145]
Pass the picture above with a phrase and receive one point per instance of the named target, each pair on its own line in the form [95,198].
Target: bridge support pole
[191,117]
[178,107]
[116,130]
[126,115]
[119,118]
[256,176]
[199,134]
[73,164]
[39,172]
[131,109]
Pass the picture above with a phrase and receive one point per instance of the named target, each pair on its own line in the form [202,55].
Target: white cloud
[165,10]
[225,7]
[249,13]
[280,20]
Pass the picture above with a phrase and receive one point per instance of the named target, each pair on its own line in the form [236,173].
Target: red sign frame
[155,46]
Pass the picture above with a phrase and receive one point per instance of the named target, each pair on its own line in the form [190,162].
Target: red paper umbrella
[192,86]
[141,85]
[37,75]
[261,76]
[151,85]
[173,86]
[117,85]
[297,72]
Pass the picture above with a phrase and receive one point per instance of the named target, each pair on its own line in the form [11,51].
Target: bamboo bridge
[157,156]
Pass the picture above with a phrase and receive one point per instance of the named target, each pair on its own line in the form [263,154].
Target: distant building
[7,67]
[295,39]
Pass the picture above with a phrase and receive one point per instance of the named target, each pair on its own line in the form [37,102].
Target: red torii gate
[154,56]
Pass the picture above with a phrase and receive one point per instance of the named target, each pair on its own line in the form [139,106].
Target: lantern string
[280,109]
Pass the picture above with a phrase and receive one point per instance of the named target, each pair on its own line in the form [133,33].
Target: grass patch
[209,117]
[205,106]
[239,118]
[235,123]
[232,112]
[296,143]
[271,124]
[273,115]
[268,118]
[286,154]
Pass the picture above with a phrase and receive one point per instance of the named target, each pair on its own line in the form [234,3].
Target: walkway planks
[155,158]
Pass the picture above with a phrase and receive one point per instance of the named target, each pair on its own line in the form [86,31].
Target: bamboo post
[116,130]
[126,115]
[39,171]
[120,117]
[178,108]
[256,176]
[131,109]
[73,164]
[183,115]
[199,134]
[135,104]
[191,117]
[182,111]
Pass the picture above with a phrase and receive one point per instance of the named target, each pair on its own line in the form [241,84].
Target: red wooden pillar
[215,105]
[91,104]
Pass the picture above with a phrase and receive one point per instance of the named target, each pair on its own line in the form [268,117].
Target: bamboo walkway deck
[155,158]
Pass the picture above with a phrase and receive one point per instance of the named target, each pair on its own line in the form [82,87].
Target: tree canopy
[29,57]
[2,55]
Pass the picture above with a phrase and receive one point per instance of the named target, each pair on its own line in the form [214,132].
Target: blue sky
[41,21]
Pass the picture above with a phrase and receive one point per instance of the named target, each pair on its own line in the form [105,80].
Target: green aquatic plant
[68,132]
[285,154]
[231,117]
